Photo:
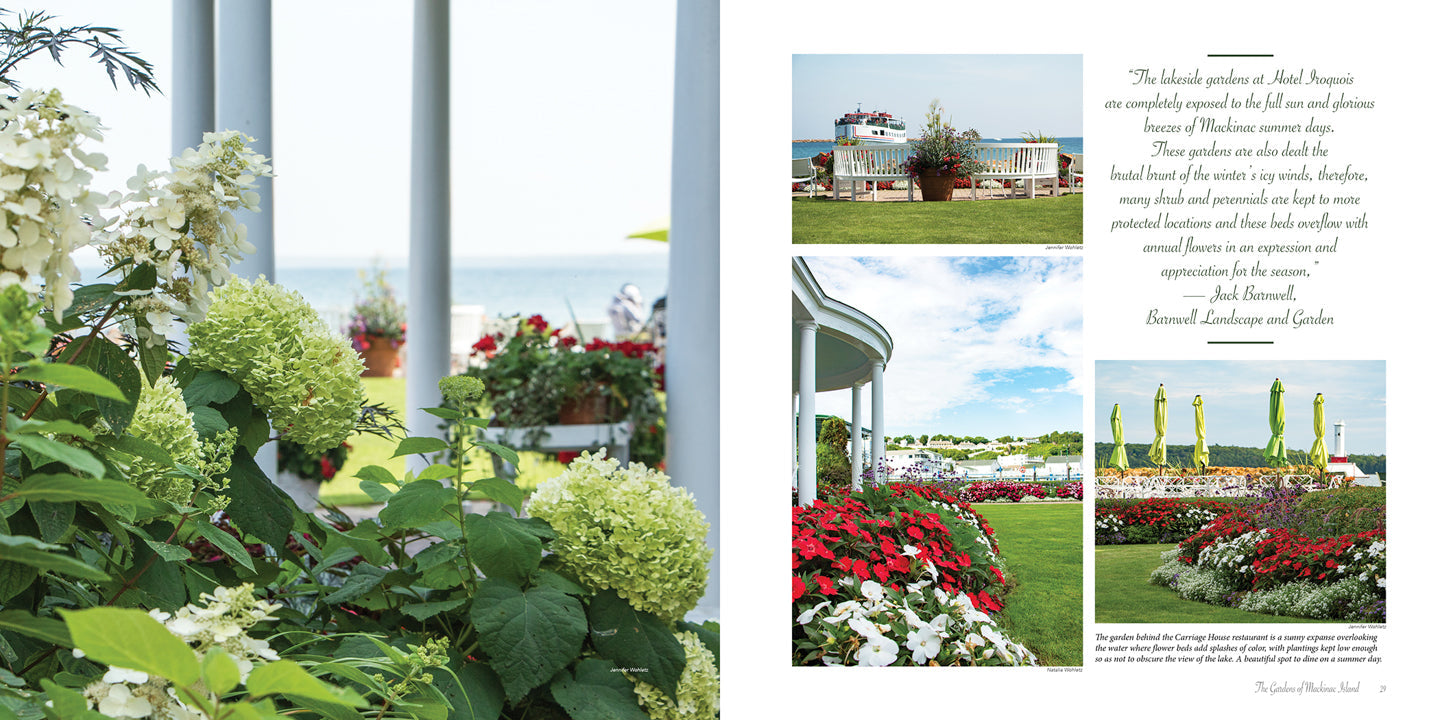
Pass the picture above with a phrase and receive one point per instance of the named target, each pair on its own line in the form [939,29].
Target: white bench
[1017,161]
[801,171]
[872,163]
[999,161]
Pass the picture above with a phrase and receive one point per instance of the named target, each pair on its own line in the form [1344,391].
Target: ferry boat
[867,127]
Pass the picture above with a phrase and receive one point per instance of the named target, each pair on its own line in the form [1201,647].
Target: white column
[242,102]
[794,441]
[806,418]
[692,355]
[192,89]
[877,419]
[1340,439]
[427,312]
[857,447]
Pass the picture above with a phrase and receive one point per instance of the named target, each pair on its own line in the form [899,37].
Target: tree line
[1222,456]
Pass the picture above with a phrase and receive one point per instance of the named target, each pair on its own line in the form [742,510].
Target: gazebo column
[794,441]
[427,357]
[192,89]
[877,419]
[806,417]
[857,446]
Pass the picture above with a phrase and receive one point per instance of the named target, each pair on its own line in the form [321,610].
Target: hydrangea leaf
[377,474]
[417,504]
[255,505]
[501,491]
[227,544]
[37,554]
[42,628]
[501,547]
[286,677]
[377,492]
[75,377]
[52,518]
[364,578]
[635,639]
[419,444]
[219,671]
[43,447]
[474,692]
[210,388]
[427,610]
[110,361]
[529,634]
[597,692]
[67,488]
[130,638]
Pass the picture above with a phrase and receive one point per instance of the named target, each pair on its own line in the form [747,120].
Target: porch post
[857,447]
[806,418]
[877,419]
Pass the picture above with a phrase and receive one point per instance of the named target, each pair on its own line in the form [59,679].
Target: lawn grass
[1042,545]
[1123,593]
[344,489]
[1042,220]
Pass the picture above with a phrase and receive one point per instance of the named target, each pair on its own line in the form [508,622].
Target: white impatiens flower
[867,629]
[879,651]
[873,591]
[923,644]
[808,615]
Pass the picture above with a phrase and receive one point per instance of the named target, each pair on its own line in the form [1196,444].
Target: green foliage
[24,34]
[1224,456]
[832,452]
[377,312]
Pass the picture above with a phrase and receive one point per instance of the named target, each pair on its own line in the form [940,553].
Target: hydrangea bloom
[302,374]
[181,223]
[697,695]
[43,195]
[223,621]
[161,418]
[628,530]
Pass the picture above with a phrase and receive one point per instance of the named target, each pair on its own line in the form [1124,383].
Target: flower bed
[864,562]
[987,491]
[1154,520]
[1255,559]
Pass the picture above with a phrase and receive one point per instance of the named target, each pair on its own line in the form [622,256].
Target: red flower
[827,586]
[327,468]
[999,576]
[797,588]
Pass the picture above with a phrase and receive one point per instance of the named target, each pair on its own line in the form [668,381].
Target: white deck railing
[999,161]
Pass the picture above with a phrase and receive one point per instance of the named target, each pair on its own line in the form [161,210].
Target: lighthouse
[1339,456]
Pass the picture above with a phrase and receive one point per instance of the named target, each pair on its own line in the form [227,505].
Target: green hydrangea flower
[697,696]
[303,375]
[162,418]
[628,530]
[460,389]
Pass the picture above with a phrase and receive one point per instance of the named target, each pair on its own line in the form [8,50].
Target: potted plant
[941,156]
[377,325]
[301,472]
[538,375]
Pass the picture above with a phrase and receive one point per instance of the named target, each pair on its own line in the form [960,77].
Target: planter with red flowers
[377,327]
[539,376]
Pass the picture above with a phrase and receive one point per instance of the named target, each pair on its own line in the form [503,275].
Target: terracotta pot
[381,358]
[935,187]
[590,407]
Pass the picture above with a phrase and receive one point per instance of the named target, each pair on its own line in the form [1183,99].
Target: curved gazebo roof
[847,343]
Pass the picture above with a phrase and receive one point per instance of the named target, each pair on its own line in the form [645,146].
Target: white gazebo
[833,347]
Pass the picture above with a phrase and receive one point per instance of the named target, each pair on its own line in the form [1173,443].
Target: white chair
[802,171]
[1077,167]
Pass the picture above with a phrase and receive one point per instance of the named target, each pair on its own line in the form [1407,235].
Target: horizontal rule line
[1237,55]
[1240,342]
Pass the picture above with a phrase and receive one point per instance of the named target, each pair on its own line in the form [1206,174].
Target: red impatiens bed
[894,544]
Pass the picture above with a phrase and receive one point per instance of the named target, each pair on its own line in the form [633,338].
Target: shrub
[629,530]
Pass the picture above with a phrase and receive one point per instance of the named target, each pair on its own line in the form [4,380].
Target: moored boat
[870,127]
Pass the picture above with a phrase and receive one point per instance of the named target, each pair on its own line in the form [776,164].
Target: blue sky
[342,119]
[1237,400]
[998,95]
[983,346]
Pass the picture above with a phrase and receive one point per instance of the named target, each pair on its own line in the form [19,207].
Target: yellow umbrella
[1157,448]
[656,230]
[1319,455]
[1275,449]
[1117,456]
[1202,453]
